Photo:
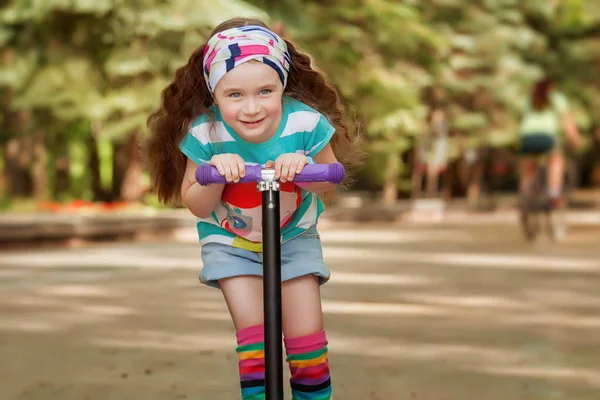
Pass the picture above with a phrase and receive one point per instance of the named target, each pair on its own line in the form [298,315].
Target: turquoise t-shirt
[547,121]
[237,220]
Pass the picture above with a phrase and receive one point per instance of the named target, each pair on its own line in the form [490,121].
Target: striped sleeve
[321,134]
[195,148]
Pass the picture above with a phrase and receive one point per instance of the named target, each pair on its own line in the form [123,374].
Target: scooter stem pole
[272,290]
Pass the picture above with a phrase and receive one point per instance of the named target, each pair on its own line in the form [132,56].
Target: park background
[79,78]
[99,291]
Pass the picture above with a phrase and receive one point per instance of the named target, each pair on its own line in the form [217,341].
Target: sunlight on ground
[56,312]
[141,339]
[378,309]
[365,278]
[80,291]
[397,302]
[28,325]
[469,302]
[502,261]
[64,320]
[100,258]
[466,354]
[563,298]
[553,319]
[588,377]
[408,236]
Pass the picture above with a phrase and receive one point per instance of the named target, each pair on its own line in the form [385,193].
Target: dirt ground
[454,311]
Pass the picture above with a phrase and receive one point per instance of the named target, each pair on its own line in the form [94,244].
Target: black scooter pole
[272,289]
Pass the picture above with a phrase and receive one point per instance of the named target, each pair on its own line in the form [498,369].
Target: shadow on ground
[438,312]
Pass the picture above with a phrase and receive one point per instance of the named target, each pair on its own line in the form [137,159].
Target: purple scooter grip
[334,173]
[207,174]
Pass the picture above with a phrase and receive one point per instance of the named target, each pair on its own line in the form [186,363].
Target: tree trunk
[131,188]
[17,178]
[448,182]
[474,188]
[596,175]
[94,161]
[3,193]
[417,173]
[120,165]
[596,160]
[127,169]
[40,168]
[16,163]
[390,186]
[99,193]
[62,179]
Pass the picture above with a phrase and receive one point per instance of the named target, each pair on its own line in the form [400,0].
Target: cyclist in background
[545,118]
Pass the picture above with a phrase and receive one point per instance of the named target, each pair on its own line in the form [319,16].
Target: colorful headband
[233,47]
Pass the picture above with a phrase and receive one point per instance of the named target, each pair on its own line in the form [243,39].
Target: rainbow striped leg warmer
[251,352]
[309,367]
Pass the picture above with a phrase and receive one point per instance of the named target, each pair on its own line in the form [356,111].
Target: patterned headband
[233,47]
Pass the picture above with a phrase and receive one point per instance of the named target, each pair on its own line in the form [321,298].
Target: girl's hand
[287,165]
[231,166]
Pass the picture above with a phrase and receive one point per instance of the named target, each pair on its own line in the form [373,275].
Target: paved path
[455,311]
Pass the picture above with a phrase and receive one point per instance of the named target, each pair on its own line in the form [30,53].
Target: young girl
[248,96]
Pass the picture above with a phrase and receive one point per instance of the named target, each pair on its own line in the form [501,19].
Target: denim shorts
[300,256]
[538,143]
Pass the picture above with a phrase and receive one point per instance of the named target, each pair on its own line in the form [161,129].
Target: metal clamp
[268,181]
[263,186]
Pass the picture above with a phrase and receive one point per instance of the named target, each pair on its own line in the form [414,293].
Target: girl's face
[249,98]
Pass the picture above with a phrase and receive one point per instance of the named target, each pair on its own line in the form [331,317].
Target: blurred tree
[98,61]
[485,54]
[78,78]
[379,54]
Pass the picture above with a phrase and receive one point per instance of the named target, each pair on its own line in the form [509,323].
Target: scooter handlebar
[207,174]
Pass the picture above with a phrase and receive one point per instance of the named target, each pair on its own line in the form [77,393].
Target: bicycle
[535,203]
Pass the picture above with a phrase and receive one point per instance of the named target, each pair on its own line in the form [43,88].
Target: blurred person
[545,120]
[437,143]
[249,96]
[432,151]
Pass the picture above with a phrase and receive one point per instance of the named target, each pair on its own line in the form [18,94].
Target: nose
[252,106]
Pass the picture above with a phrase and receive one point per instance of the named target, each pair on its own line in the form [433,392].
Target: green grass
[11,205]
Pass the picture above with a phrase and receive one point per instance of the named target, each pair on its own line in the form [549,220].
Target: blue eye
[235,95]
[265,91]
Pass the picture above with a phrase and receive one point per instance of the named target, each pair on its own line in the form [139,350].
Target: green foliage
[106,61]
[102,61]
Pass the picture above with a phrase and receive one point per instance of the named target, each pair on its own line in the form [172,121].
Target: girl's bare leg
[556,169]
[302,320]
[244,298]
[300,302]
[305,339]
[301,306]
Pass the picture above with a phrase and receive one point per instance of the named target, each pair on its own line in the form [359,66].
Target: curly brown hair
[188,97]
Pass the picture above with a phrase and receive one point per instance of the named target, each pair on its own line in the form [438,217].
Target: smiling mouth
[253,122]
